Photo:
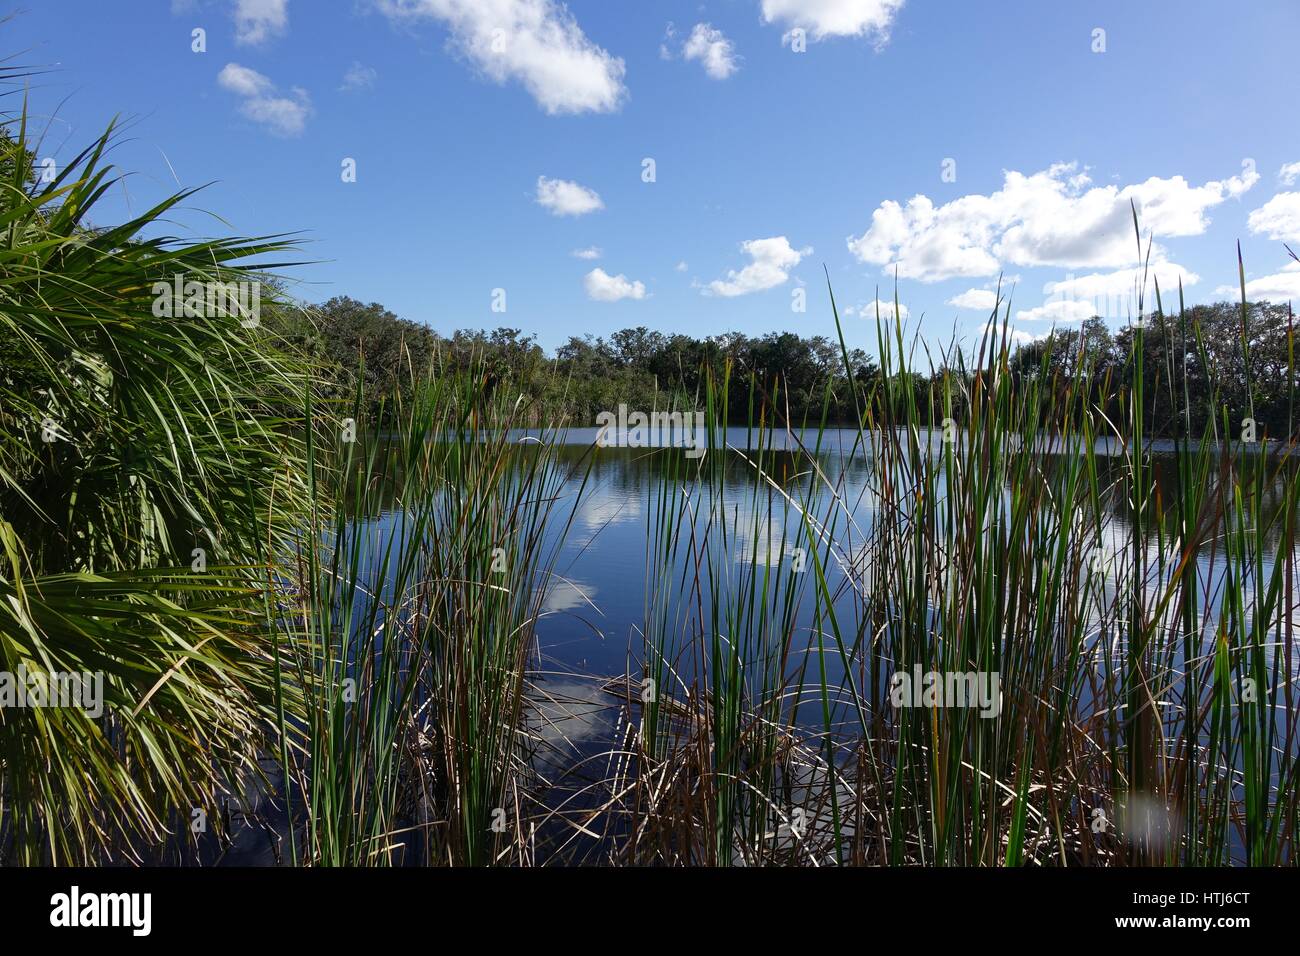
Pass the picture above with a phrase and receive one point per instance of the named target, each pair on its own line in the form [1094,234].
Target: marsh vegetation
[349,599]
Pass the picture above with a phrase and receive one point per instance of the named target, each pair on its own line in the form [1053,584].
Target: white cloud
[1021,337]
[832,18]
[603,287]
[359,77]
[1279,218]
[669,33]
[245,82]
[562,197]
[257,21]
[772,261]
[1282,286]
[1058,310]
[1109,295]
[1288,174]
[713,50]
[982,299]
[536,42]
[591,252]
[1124,283]
[681,266]
[1050,218]
[868,310]
[263,104]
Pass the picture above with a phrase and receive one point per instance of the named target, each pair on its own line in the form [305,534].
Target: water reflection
[595,611]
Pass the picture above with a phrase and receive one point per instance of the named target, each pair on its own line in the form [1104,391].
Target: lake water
[591,634]
[596,612]
[596,609]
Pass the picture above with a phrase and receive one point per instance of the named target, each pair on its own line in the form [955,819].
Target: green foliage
[588,375]
[411,566]
[127,441]
[647,369]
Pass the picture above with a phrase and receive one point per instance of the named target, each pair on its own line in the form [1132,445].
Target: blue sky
[493,139]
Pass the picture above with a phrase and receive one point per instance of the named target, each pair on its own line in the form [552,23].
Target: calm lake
[591,635]
[595,613]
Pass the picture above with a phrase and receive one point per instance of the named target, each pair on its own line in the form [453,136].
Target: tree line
[1222,360]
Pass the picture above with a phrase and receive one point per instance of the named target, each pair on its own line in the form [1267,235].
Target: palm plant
[147,464]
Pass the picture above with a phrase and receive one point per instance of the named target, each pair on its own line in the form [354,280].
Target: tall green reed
[419,596]
[1138,610]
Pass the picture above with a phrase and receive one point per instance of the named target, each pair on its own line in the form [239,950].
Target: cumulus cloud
[835,18]
[1058,310]
[1282,286]
[868,310]
[713,50]
[1050,218]
[670,33]
[603,287]
[981,299]
[263,103]
[1021,337]
[257,21]
[1100,285]
[1288,174]
[772,260]
[591,252]
[563,197]
[359,77]
[244,81]
[1279,218]
[537,43]
[1109,295]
